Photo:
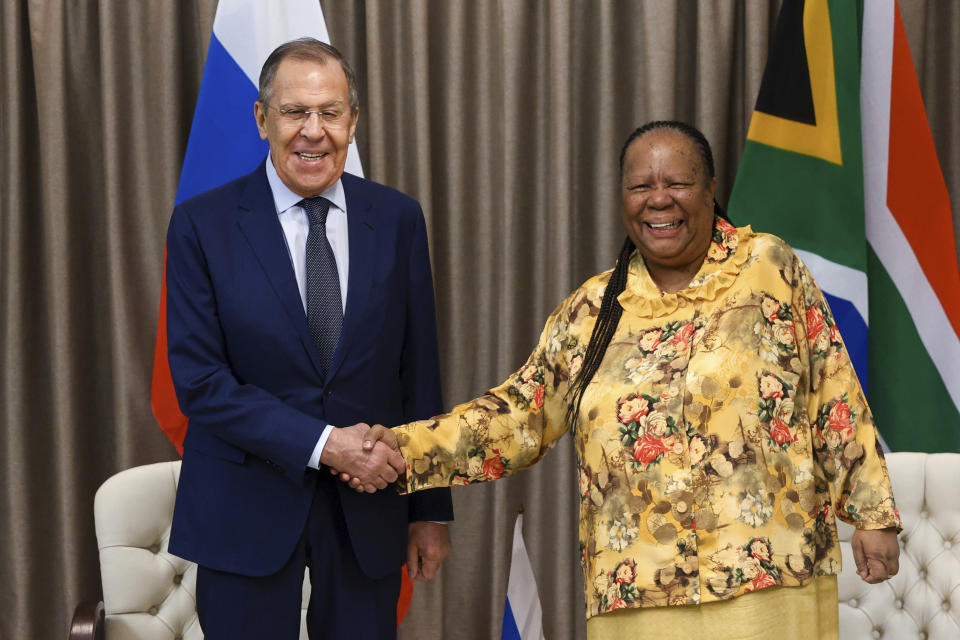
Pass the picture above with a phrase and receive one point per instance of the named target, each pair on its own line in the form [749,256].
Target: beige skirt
[775,613]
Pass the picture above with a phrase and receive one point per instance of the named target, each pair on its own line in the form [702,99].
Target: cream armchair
[148,593]
[923,600]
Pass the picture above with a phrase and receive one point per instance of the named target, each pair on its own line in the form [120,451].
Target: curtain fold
[504,118]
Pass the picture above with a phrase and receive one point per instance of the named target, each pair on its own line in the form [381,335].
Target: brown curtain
[503,117]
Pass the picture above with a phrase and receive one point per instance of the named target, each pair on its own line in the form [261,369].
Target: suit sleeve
[420,365]
[217,403]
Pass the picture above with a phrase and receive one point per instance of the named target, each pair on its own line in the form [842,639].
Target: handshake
[368,458]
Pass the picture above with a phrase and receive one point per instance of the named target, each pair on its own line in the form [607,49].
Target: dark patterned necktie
[324,304]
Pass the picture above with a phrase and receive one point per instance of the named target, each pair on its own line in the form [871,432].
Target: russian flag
[522,614]
[224,144]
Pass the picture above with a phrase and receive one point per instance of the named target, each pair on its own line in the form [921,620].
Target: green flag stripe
[908,398]
[812,204]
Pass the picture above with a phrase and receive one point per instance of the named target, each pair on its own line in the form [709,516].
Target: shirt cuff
[317,450]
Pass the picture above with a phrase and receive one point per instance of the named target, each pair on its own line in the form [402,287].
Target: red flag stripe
[916,192]
[163,399]
[406,595]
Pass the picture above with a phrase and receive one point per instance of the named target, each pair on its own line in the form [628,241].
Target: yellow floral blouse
[723,432]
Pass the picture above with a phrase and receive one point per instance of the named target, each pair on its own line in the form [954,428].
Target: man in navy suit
[271,353]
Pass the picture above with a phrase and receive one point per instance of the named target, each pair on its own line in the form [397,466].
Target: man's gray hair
[305,49]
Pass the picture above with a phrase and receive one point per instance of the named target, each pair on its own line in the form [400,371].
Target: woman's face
[666,200]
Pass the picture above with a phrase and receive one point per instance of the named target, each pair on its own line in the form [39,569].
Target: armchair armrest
[87,621]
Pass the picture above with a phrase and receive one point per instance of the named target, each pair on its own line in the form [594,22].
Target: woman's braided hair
[610,309]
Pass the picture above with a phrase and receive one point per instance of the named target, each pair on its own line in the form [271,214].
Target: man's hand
[876,553]
[372,467]
[377,437]
[427,545]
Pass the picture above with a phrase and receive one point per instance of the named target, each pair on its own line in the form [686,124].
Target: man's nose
[313,126]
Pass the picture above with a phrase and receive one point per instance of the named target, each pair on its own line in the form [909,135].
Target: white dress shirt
[296,226]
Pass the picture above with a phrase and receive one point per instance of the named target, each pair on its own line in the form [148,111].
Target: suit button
[328,392]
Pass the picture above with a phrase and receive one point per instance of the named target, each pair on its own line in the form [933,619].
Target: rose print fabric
[722,435]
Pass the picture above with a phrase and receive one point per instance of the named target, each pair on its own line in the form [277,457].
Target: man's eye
[294,113]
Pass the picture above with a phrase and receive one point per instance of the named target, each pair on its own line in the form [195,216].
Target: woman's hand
[876,553]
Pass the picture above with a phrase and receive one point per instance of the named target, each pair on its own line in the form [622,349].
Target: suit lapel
[260,225]
[361,237]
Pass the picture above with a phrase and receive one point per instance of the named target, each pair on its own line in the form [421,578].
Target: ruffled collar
[729,249]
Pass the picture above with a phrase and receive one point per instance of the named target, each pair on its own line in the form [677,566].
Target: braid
[603,330]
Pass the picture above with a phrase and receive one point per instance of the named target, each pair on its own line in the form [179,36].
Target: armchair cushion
[147,592]
[923,599]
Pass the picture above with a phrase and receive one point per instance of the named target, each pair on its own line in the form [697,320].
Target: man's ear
[354,119]
[260,115]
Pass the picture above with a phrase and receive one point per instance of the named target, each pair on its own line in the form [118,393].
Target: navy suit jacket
[246,373]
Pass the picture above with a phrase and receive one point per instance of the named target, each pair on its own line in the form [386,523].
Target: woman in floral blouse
[719,425]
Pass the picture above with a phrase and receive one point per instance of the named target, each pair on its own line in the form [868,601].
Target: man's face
[308,152]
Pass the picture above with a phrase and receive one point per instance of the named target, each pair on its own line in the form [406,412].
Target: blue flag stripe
[510,630]
[224,143]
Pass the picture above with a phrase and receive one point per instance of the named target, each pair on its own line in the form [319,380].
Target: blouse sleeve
[845,443]
[509,428]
